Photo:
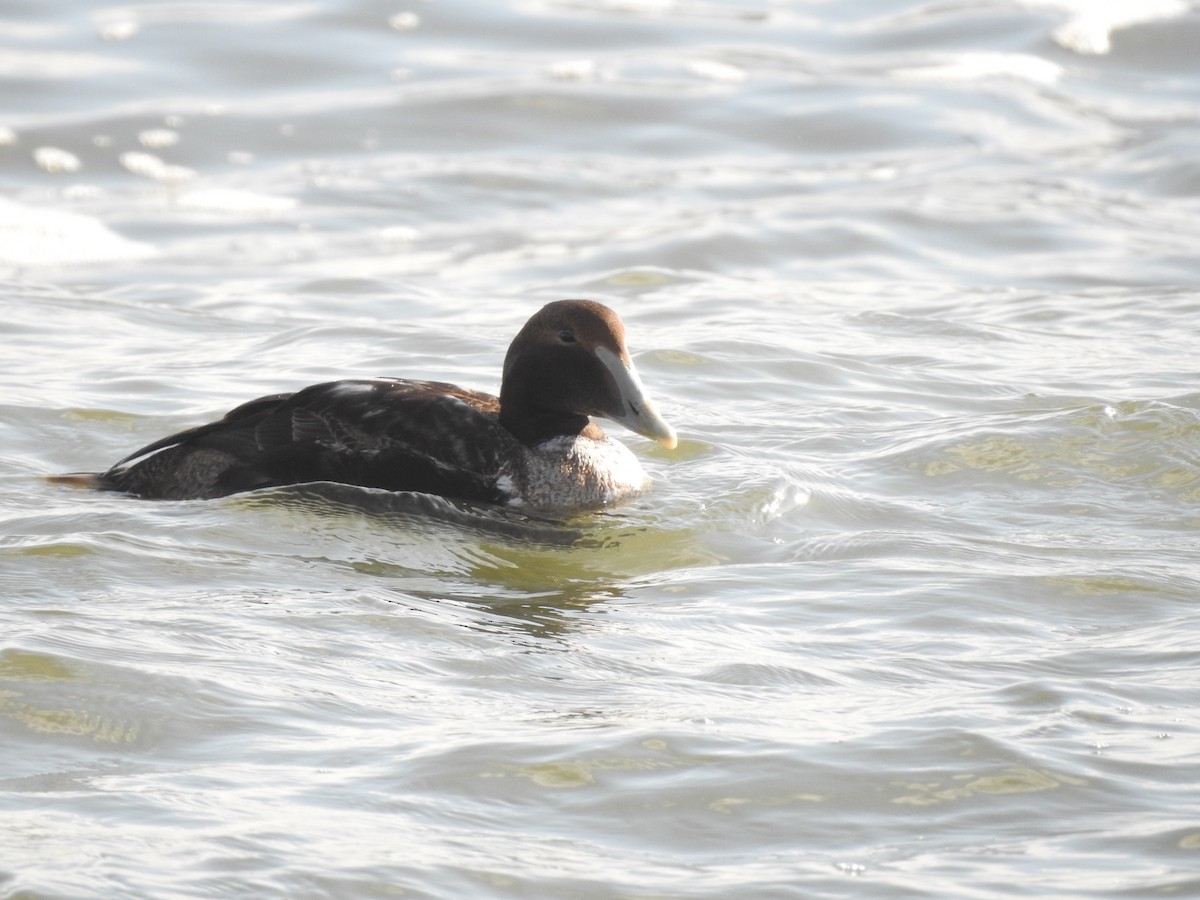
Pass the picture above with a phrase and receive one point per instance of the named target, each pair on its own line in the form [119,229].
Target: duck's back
[388,433]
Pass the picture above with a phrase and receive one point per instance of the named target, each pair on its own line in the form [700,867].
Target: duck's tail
[93,480]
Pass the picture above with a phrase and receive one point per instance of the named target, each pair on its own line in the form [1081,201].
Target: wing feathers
[391,433]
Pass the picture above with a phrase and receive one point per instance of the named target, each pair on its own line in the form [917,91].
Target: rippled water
[911,612]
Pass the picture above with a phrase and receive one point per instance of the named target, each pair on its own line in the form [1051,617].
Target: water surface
[909,613]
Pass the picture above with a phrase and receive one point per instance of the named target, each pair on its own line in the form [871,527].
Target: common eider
[534,446]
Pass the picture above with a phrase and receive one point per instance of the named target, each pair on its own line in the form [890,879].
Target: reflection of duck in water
[533,446]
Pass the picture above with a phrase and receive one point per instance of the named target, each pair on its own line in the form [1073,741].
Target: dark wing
[386,433]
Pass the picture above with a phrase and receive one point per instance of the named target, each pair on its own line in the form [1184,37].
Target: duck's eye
[566,336]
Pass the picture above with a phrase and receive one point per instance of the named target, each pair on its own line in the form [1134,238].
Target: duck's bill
[639,413]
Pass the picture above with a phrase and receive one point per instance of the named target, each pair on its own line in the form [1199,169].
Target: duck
[534,446]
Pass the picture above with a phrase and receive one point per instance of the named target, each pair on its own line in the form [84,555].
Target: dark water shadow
[534,573]
[412,509]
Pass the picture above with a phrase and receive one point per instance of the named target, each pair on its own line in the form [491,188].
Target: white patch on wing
[349,388]
[142,457]
[506,486]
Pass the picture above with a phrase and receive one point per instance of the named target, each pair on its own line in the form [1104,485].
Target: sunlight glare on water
[908,611]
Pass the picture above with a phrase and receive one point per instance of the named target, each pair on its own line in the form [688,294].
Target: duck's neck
[533,428]
[540,390]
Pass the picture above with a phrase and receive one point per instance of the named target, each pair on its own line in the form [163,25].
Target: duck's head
[570,362]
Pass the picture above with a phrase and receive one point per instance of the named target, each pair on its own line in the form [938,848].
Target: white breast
[577,472]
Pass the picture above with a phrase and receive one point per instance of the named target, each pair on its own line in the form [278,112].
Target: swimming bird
[535,446]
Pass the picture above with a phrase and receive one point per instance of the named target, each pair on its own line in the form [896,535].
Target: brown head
[570,362]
